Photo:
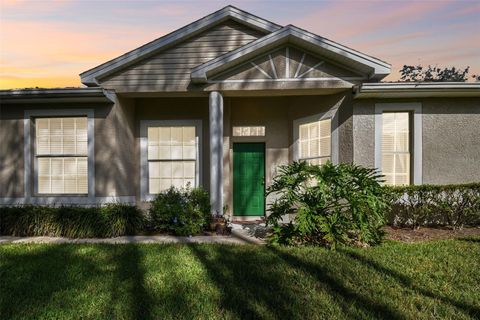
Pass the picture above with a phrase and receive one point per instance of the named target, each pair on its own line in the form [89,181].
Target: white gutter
[417,90]
[53,95]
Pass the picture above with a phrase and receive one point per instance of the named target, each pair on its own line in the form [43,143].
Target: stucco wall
[277,114]
[174,109]
[11,152]
[117,135]
[451,137]
[304,106]
[125,155]
[364,132]
[273,113]
[451,141]
[12,143]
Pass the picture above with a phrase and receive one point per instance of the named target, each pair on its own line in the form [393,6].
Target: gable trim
[90,77]
[289,80]
[375,68]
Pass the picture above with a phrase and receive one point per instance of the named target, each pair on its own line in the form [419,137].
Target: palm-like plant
[332,204]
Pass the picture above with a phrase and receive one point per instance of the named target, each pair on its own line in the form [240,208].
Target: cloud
[394,40]
[41,82]
[37,50]
[52,42]
[467,9]
[346,20]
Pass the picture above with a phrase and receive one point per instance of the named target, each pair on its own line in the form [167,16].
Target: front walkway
[237,237]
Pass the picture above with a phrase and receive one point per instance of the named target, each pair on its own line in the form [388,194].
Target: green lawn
[393,281]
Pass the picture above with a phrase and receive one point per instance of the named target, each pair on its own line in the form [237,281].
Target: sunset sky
[48,43]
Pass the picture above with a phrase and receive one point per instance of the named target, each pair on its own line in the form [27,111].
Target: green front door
[248,179]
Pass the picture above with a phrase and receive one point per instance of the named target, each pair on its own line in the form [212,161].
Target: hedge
[111,220]
[453,206]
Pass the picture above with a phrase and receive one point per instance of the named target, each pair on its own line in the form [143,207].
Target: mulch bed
[427,234]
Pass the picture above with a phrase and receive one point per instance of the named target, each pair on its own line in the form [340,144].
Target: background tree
[435,74]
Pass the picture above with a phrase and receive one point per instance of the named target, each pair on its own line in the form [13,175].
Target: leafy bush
[110,220]
[122,219]
[181,211]
[333,204]
[454,206]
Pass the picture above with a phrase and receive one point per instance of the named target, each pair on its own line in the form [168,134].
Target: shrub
[110,220]
[454,206]
[333,204]
[122,219]
[181,211]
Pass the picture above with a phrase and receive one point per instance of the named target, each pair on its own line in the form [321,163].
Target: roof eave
[90,77]
[57,95]
[376,69]
[417,90]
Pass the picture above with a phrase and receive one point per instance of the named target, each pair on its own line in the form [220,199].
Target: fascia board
[417,90]
[90,77]
[297,36]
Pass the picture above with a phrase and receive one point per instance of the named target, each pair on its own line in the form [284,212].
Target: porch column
[216,151]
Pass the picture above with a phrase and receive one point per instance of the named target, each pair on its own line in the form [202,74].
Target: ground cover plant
[331,204]
[429,280]
[111,220]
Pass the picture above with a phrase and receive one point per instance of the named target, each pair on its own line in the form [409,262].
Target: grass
[428,280]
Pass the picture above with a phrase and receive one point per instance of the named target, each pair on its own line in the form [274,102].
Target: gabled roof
[90,77]
[374,68]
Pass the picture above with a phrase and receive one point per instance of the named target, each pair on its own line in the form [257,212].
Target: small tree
[434,74]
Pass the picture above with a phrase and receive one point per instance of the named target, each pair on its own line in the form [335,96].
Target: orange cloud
[7,82]
[46,53]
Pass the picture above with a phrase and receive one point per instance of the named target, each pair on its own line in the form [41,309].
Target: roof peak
[90,76]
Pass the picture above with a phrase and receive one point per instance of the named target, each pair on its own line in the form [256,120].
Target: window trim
[416,133]
[31,166]
[144,174]
[330,114]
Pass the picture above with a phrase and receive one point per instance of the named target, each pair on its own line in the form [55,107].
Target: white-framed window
[396,147]
[170,152]
[316,138]
[315,142]
[398,142]
[248,131]
[61,155]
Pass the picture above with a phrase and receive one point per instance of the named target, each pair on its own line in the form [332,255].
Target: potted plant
[220,224]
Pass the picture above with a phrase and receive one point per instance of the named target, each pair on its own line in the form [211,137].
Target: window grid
[396,148]
[172,155]
[315,142]
[60,150]
[258,131]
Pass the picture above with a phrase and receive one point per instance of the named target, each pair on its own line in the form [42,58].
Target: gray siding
[451,137]
[170,69]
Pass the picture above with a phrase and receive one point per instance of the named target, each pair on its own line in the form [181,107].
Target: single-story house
[222,103]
